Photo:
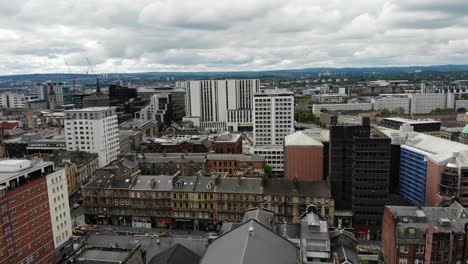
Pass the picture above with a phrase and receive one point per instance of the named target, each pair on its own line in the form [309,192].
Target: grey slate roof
[76,157]
[239,185]
[264,216]
[176,254]
[150,245]
[160,183]
[426,217]
[241,246]
[298,187]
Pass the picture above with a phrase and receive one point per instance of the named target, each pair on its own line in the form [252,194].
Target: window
[420,250]
[403,249]
[403,261]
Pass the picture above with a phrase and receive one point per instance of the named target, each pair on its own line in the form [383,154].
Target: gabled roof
[264,216]
[251,243]
[176,254]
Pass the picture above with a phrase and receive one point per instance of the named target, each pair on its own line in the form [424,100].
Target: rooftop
[229,137]
[249,243]
[412,121]
[437,149]
[301,139]
[90,109]
[269,92]
[238,157]
[103,255]
[10,169]
[445,219]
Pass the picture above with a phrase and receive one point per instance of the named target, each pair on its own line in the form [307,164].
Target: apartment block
[236,164]
[93,130]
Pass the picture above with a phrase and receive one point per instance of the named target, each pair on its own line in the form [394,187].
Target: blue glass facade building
[413,173]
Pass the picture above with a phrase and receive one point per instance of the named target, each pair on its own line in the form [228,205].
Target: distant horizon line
[247,71]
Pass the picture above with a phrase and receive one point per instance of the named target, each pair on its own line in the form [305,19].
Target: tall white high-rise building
[220,104]
[95,130]
[273,116]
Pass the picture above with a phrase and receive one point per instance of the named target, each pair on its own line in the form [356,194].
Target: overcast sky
[202,35]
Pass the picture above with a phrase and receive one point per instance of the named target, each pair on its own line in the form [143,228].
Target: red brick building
[248,165]
[26,234]
[303,157]
[425,235]
[229,143]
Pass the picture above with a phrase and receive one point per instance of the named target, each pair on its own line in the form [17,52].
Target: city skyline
[145,36]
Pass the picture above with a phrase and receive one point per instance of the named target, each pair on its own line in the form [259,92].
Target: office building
[303,157]
[93,130]
[159,109]
[12,100]
[400,104]
[177,98]
[273,121]
[27,233]
[427,126]
[412,234]
[221,105]
[359,176]
[432,170]
[62,91]
[427,102]
[348,107]
[119,95]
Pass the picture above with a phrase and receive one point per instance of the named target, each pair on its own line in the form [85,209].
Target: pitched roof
[250,243]
[301,139]
[176,254]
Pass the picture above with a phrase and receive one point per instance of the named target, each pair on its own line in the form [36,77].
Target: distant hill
[240,74]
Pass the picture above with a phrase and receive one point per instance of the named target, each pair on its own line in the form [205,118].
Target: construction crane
[98,86]
[56,122]
[72,76]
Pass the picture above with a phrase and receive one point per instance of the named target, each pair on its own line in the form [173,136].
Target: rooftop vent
[444,222]
[251,230]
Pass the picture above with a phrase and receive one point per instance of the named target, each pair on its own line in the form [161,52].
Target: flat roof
[104,256]
[412,121]
[90,109]
[35,165]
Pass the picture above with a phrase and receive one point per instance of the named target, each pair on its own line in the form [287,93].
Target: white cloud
[180,35]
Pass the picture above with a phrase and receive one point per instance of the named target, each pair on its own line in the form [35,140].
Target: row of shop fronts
[153,222]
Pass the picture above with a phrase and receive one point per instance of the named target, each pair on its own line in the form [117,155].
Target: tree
[461,110]
[268,170]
